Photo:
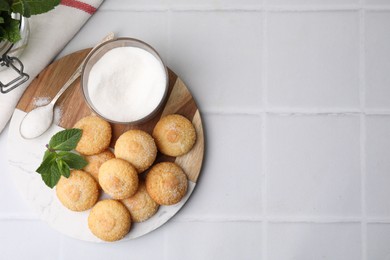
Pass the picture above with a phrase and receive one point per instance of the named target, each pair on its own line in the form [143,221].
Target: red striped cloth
[49,37]
[79,5]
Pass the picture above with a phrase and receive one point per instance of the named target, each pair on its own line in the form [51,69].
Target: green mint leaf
[10,27]
[3,33]
[10,30]
[14,32]
[31,7]
[65,140]
[46,154]
[58,158]
[47,163]
[27,9]
[52,177]
[5,25]
[4,6]
[63,168]
[74,161]
[21,7]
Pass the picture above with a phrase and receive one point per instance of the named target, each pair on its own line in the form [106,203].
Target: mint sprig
[32,7]
[9,27]
[59,159]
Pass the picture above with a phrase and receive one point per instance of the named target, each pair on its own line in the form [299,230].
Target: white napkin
[49,34]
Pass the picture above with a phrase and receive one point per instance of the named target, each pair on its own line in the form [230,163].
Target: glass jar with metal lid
[9,57]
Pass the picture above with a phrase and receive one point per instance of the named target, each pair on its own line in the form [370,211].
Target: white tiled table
[295,96]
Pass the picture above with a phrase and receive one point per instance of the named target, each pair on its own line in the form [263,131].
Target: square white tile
[308,241]
[313,60]
[230,181]
[23,239]
[150,27]
[146,247]
[378,166]
[312,2]
[214,240]
[11,201]
[377,51]
[219,53]
[378,241]
[313,165]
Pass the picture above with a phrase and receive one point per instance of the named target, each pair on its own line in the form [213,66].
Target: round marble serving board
[24,156]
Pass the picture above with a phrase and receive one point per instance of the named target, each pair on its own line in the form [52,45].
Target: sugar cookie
[96,135]
[118,178]
[174,135]
[136,147]
[166,183]
[109,220]
[79,192]
[95,161]
[141,205]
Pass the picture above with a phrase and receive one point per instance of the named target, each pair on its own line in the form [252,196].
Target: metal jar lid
[12,62]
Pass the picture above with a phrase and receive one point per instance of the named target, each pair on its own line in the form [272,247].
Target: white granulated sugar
[57,115]
[126,84]
[41,101]
[37,122]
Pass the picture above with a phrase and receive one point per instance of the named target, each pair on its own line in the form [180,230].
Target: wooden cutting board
[24,156]
[73,106]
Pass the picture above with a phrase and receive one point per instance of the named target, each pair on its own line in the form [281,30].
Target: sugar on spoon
[37,121]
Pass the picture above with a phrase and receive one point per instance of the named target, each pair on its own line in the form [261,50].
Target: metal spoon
[46,112]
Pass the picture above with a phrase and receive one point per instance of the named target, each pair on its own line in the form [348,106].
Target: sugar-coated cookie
[136,147]
[96,135]
[79,192]
[141,205]
[109,220]
[166,183]
[95,161]
[118,178]
[174,135]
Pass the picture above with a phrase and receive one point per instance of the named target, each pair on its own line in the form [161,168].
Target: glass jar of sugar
[125,81]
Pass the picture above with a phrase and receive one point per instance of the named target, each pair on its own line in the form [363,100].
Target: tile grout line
[285,219]
[297,112]
[165,245]
[362,88]
[261,218]
[264,82]
[61,248]
[264,187]
[169,40]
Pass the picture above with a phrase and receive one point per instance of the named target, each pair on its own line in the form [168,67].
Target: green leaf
[74,161]
[58,158]
[32,7]
[14,32]
[3,26]
[9,29]
[4,6]
[47,163]
[65,140]
[63,168]
[46,154]
[52,177]
[3,33]
[21,7]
